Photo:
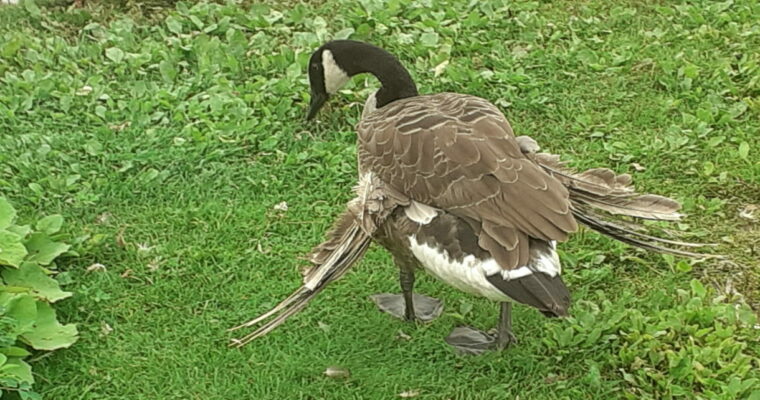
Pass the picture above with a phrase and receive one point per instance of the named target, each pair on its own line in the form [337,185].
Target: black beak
[317,101]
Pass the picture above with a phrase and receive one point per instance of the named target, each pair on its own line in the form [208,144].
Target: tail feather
[609,204]
[637,239]
[543,288]
[345,244]
[645,206]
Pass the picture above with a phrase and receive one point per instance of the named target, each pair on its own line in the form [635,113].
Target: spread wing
[458,153]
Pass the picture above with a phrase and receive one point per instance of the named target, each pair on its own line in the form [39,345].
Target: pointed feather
[345,244]
[352,245]
[601,190]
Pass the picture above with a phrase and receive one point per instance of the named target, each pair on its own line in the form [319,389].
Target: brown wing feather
[458,153]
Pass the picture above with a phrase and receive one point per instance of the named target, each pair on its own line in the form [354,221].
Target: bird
[445,185]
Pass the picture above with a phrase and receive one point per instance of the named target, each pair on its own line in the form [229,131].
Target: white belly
[469,275]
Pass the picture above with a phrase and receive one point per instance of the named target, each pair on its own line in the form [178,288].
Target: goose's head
[335,62]
[327,73]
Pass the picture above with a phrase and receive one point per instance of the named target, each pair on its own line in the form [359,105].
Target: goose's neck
[395,79]
[396,83]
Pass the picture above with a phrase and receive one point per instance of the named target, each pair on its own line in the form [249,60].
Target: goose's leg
[408,305]
[406,279]
[504,335]
[468,340]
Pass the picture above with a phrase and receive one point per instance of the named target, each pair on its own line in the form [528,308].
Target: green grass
[166,141]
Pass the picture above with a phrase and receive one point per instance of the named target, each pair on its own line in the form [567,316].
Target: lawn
[167,135]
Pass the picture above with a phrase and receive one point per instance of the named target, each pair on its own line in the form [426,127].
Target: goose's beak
[317,101]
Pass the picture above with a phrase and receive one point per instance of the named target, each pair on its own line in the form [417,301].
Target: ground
[171,136]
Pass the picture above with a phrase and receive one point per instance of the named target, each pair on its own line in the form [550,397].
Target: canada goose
[445,185]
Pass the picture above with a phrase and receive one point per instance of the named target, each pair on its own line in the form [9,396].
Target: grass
[166,141]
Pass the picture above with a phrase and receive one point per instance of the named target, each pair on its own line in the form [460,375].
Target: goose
[445,186]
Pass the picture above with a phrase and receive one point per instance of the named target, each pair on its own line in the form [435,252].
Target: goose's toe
[470,341]
[426,308]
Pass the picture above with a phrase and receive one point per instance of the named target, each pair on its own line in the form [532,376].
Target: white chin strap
[335,77]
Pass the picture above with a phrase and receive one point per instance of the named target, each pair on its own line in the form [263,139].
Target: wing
[458,153]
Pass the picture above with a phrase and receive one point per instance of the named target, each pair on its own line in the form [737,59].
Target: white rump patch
[420,213]
[470,274]
[335,77]
[547,263]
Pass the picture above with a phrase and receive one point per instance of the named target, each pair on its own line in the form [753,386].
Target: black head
[326,75]
[333,64]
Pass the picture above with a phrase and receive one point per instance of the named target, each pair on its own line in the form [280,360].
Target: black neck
[396,84]
[359,57]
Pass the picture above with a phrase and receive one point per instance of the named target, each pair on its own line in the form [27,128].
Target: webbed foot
[426,308]
[471,341]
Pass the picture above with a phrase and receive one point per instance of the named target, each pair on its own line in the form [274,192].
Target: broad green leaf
[344,33]
[697,288]
[715,140]
[93,147]
[691,71]
[709,167]
[19,369]
[683,266]
[14,351]
[12,250]
[31,7]
[198,23]
[747,316]
[429,39]
[14,289]
[50,224]
[48,333]
[167,70]
[43,250]
[100,111]
[36,188]
[7,213]
[21,230]
[10,47]
[174,25]
[115,54]
[27,394]
[34,277]
[593,377]
[744,150]
[22,308]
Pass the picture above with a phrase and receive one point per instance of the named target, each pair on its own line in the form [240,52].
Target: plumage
[532,201]
[445,185]
[346,244]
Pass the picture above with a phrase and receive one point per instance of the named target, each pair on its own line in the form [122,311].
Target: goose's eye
[314,66]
